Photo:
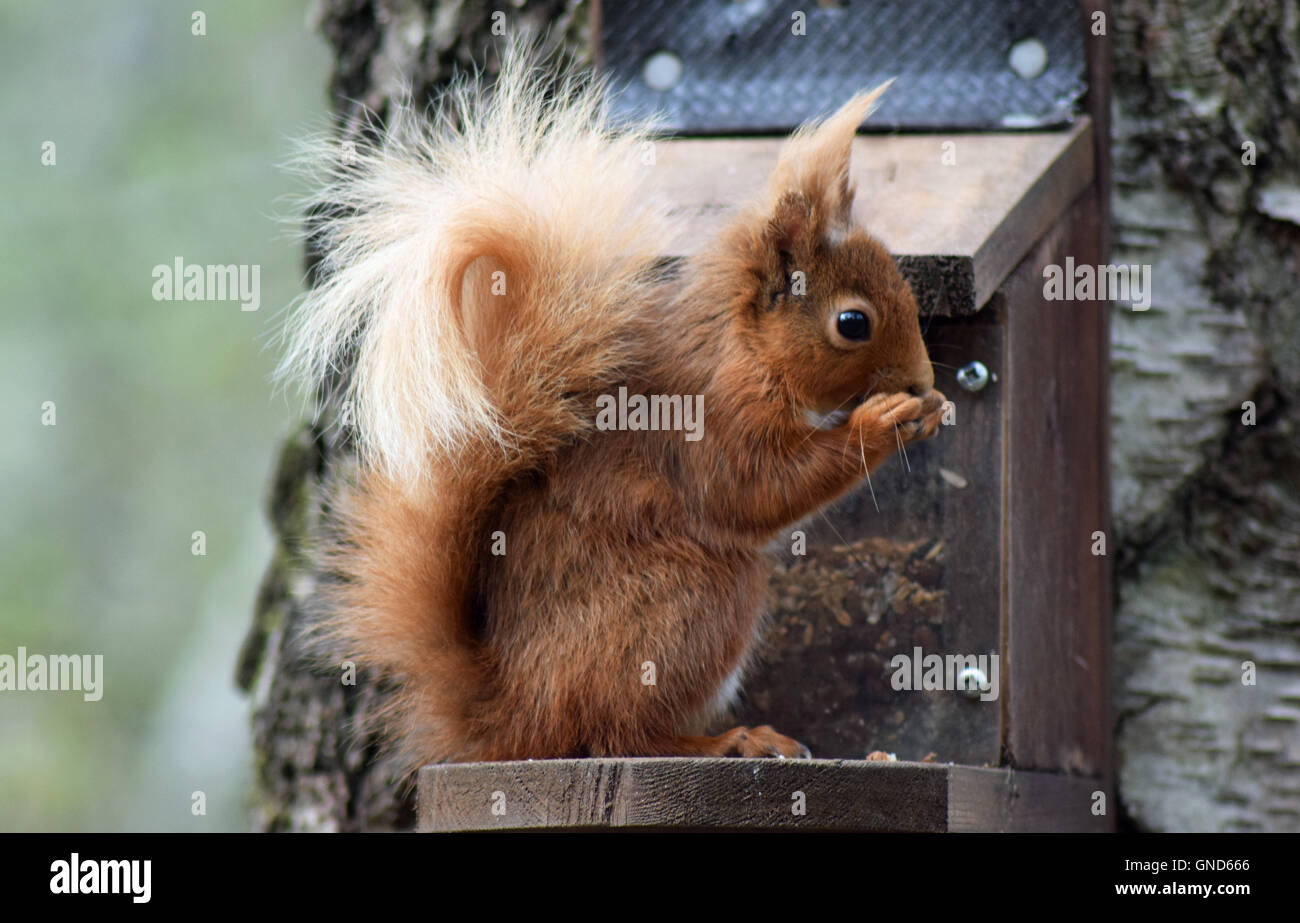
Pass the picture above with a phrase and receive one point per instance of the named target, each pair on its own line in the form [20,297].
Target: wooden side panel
[1058,614]
[1098,105]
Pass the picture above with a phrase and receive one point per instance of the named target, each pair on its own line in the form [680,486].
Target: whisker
[943,346]
[867,469]
[929,319]
[843,541]
[901,448]
[840,407]
[815,429]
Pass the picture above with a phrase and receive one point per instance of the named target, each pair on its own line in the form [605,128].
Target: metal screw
[972,681]
[662,71]
[1028,58]
[973,376]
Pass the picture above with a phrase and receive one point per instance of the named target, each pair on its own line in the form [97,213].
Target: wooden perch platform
[957,229]
[751,795]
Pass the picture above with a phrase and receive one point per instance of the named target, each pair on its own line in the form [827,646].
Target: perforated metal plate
[761,66]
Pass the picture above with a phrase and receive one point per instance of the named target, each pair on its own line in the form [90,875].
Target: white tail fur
[546,192]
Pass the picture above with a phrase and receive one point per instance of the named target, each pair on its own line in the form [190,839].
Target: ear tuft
[815,161]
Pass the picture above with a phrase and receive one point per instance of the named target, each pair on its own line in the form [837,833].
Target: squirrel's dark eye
[853,325]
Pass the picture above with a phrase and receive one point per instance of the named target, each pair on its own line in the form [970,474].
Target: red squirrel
[537,586]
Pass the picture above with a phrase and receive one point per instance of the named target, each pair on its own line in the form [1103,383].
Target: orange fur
[623,547]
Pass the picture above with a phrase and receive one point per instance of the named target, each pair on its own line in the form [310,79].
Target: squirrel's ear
[790,222]
[815,162]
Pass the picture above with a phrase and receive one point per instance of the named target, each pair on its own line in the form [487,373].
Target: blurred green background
[167,145]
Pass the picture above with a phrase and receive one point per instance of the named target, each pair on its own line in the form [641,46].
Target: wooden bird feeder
[982,541]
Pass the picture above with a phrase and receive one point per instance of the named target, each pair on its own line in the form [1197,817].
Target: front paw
[933,404]
[899,416]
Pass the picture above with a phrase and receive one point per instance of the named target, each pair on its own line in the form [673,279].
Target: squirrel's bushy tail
[479,264]
[484,272]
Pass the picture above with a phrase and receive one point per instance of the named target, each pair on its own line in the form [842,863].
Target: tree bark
[1207,506]
[316,768]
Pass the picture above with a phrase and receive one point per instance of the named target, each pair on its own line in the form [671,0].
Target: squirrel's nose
[922,379]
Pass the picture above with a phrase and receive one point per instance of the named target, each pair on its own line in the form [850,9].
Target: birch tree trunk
[1206,410]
